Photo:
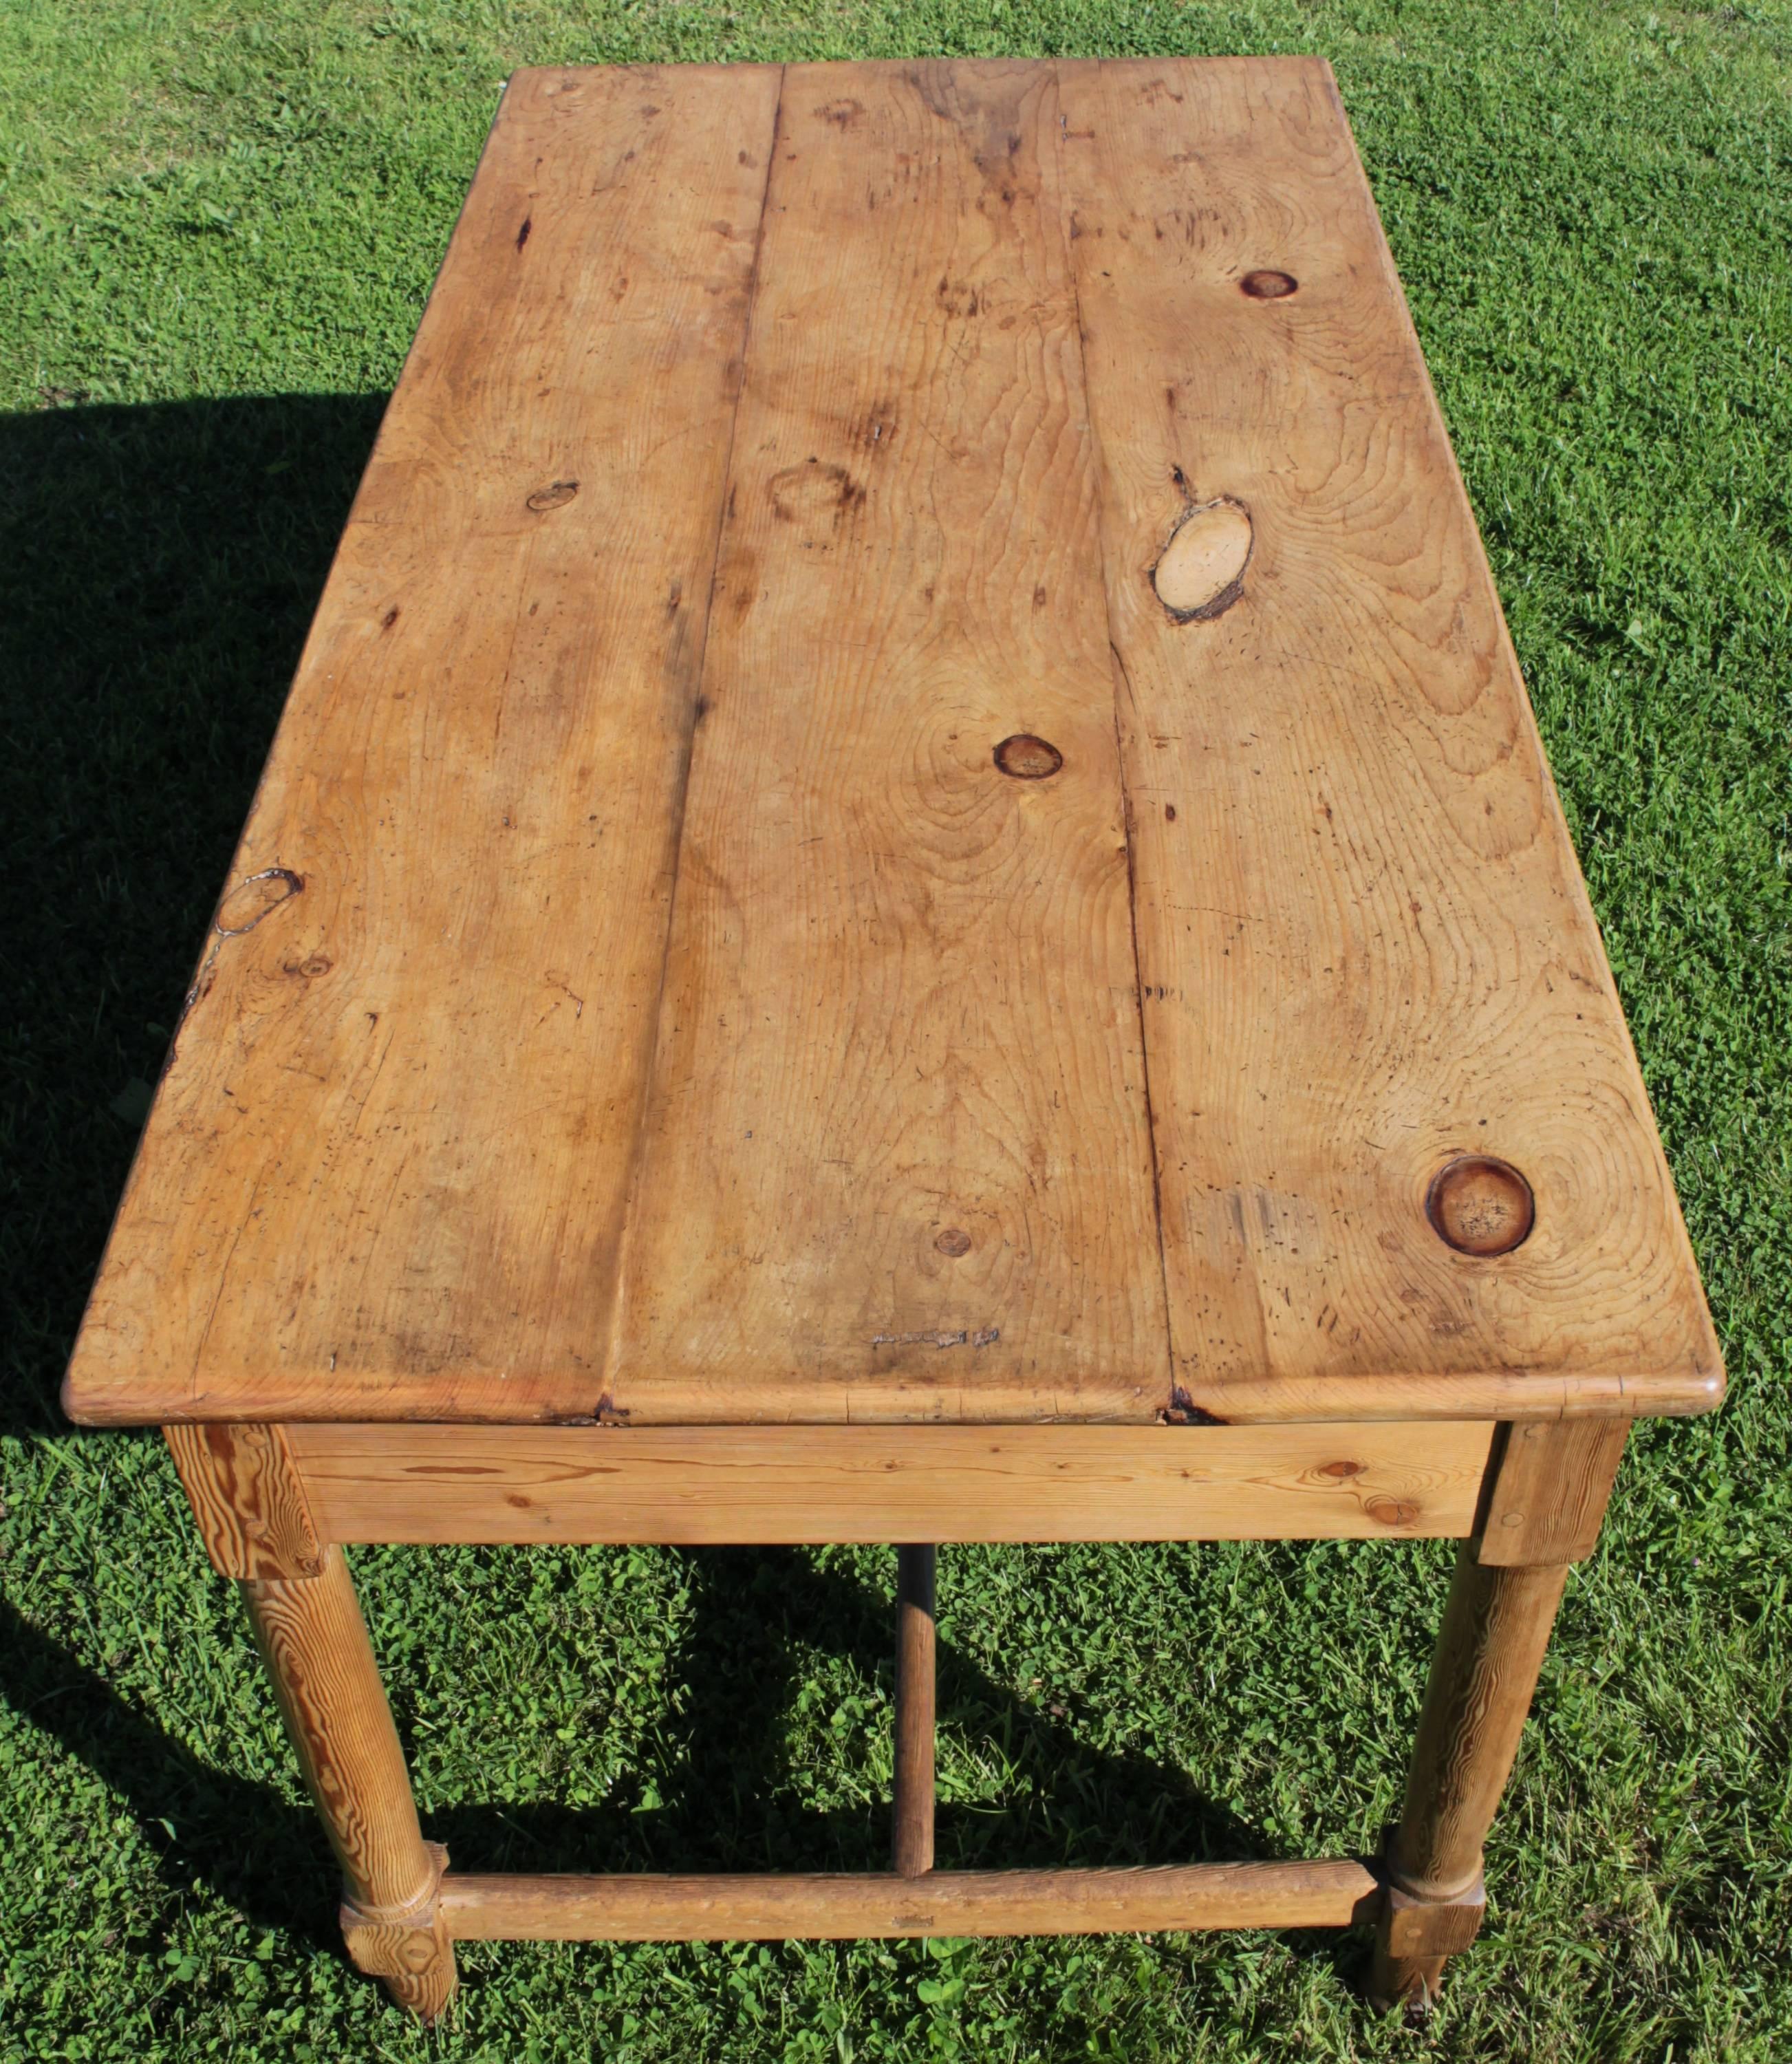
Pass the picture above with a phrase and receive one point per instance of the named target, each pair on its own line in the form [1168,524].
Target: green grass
[219,221]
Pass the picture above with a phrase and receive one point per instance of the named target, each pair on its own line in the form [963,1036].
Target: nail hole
[954,1241]
[1480,1205]
[1026,758]
[1268,286]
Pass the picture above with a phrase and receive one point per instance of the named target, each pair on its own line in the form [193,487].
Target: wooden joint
[409,1947]
[1547,1486]
[248,1499]
[1414,1927]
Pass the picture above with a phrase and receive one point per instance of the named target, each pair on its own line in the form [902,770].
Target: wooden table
[907,893]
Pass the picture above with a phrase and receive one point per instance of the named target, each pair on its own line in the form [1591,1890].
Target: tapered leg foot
[314,1642]
[410,1949]
[1412,1942]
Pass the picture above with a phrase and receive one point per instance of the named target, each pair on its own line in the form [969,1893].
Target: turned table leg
[1495,1628]
[913,1845]
[314,1642]
[1547,1490]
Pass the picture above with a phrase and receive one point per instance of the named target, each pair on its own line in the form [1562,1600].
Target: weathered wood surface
[897,1161]
[909,801]
[1365,945]
[387,1169]
[811,1484]
[1071,1902]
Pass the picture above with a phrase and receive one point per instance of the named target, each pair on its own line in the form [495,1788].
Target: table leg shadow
[729,1804]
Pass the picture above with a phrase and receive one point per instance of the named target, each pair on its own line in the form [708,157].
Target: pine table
[907,893]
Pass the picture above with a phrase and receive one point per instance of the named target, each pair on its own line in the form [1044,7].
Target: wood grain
[770,1908]
[908,803]
[1365,945]
[1427,1930]
[899,1008]
[1496,1626]
[386,1169]
[248,1501]
[1547,1489]
[913,1815]
[314,1642]
[410,1948]
[725,1484]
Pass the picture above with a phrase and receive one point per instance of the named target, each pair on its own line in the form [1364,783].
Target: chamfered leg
[315,1643]
[1496,1626]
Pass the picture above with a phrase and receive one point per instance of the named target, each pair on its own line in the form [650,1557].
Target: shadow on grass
[727,1806]
[260,1854]
[158,567]
[728,1803]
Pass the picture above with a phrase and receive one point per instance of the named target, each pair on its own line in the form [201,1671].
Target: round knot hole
[1268,285]
[1480,1205]
[1025,758]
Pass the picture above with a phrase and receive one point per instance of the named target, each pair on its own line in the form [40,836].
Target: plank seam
[1120,676]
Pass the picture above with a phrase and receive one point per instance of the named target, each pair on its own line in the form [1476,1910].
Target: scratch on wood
[984,1336]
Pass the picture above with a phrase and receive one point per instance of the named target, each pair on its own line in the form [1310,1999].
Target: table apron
[268,1497]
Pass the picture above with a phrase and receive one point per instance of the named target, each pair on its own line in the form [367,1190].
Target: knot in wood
[1480,1205]
[555,495]
[1200,572]
[1025,758]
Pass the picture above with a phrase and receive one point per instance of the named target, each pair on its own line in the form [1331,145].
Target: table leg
[914,1710]
[1546,1488]
[1496,1626]
[315,1643]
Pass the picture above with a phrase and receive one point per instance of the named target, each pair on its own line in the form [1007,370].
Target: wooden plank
[386,1170]
[1365,948]
[897,1161]
[772,1909]
[248,1500]
[799,1484]
[1547,1489]
[465,1121]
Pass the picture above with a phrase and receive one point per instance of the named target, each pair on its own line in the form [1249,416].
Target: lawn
[219,219]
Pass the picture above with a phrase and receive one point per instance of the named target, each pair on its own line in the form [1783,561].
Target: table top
[909,801]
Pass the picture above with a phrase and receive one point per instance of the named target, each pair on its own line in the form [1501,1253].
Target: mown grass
[218,221]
